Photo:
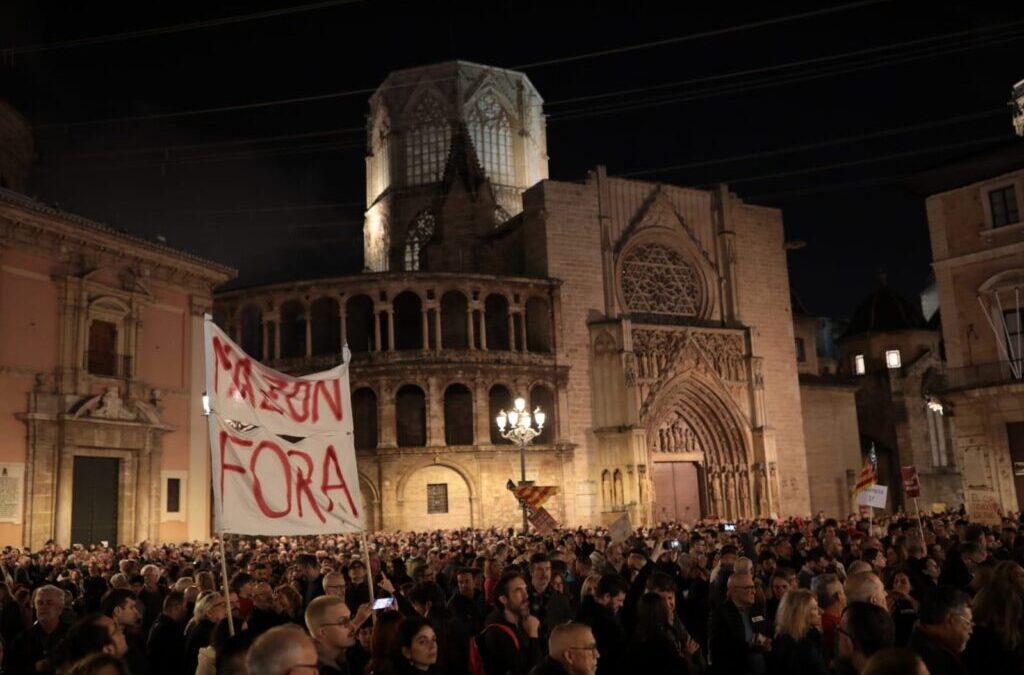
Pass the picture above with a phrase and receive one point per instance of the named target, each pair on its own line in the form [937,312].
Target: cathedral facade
[650,322]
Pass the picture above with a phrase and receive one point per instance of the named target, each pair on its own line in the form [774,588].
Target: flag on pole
[869,474]
[535,496]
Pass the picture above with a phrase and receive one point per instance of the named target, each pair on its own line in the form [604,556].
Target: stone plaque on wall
[12,478]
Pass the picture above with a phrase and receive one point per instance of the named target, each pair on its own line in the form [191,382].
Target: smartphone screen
[384,603]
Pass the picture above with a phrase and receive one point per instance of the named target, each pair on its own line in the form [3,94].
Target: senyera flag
[283,455]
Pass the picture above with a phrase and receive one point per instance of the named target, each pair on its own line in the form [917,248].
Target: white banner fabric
[282,448]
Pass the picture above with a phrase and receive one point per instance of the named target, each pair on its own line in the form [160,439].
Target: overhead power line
[702,35]
[166,30]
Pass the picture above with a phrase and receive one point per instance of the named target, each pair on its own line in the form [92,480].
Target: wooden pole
[227,587]
[920,527]
[369,572]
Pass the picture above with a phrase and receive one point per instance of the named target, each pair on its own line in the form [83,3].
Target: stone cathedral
[652,324]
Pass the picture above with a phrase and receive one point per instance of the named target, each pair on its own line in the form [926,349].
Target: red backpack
[476,659]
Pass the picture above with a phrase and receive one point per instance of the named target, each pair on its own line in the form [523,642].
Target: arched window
[426,142]
[492,138]
[326,328]
[538,325]
[411,417]
[252,331]
[496,313]
[416,240]
[498,399]
[408,312]
[364,418]
[458,415]
[103,358]
[359,324]
[453,321]
[293,329]
[542,396]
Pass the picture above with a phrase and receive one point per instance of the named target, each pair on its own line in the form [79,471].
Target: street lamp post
[516,425]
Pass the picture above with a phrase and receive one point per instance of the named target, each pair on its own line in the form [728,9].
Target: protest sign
[543,521]
[874,496]
[983,507]
[911,481]
[621,529]
[282,448]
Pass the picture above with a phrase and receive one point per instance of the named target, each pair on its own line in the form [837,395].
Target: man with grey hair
[572,650]
[866,587]
[281,650]
[831,597]
[33,651]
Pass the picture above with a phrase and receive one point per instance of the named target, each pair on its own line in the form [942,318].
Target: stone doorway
[677,493]
[94,500]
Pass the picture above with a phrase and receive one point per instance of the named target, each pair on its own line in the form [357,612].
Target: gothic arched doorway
[700,456]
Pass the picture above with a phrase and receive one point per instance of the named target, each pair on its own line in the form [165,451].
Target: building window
[103,348]
[858,364]
[437,498]
[492,138]
[173,495]
[1013,321]
[1003,204]
[426,143]
[892,359]
[801,352]
[419,234]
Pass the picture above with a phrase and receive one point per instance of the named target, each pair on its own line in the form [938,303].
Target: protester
[796,647]
[572,650]
[511,639]
[943,629]
[864,630]
[736,644]
[281,651]
[652,649]
[165,646]
[997,643]
[415,648]
[210,610]
[895,661]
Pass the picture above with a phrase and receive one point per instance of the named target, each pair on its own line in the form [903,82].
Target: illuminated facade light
[858,364]
[892,359]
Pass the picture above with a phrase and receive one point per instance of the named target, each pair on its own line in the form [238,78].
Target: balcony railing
[983,375]
[108,364]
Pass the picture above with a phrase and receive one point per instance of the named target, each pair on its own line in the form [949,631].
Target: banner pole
[920,527]
[369,572]
[227,587]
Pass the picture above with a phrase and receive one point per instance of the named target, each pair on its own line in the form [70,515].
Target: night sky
[874,93]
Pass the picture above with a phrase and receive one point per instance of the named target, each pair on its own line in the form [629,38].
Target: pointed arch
[427,138]
[490,121]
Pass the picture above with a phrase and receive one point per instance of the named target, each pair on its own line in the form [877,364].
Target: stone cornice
[30,224]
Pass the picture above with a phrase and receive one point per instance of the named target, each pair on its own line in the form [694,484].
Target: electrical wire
[166,30]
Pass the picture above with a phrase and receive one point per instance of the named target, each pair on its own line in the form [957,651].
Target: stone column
[481,406]
[435,413]
[266,339]
[143,485]
[425,320]
[277,337]
[343,327]
[386,408]
[483,328]
[470,327]
[522,331]
[391,327]
[437,326]
[309,333]
[511,331]
[376,329]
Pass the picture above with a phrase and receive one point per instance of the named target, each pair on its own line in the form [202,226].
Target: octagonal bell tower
[414,116]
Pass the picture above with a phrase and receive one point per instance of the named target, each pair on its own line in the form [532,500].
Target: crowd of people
[883,596]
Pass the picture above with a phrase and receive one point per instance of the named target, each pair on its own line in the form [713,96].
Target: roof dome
[885,310]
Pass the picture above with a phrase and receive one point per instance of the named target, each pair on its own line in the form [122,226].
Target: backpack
[476,659]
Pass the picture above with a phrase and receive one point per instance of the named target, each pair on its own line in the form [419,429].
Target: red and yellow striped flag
[868,477]
[535,495]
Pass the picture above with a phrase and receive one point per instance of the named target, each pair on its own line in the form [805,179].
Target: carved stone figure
[112,408]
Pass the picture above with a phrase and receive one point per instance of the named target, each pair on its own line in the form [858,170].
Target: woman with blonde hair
[205,582]
[210,609]
[997,642]
[797,644]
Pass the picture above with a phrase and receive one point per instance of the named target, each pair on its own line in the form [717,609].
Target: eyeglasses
[967,622]
[347,621]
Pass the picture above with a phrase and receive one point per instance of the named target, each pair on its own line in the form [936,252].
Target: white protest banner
[245,391]
[983,506]
[874,496]
[282,448]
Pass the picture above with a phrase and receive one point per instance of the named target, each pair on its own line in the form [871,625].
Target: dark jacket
[165,647]
[803,656]
[499,652]
[551,607]
[655,653]
[938,659]
[313,590]
[32,646]
[608,633]
[470,611]
[551,667]
[985,653]
[262,620]
[195,639]
[730,652]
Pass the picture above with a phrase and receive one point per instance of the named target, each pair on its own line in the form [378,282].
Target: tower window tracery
[491,131]
[426,143]
[419,234]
